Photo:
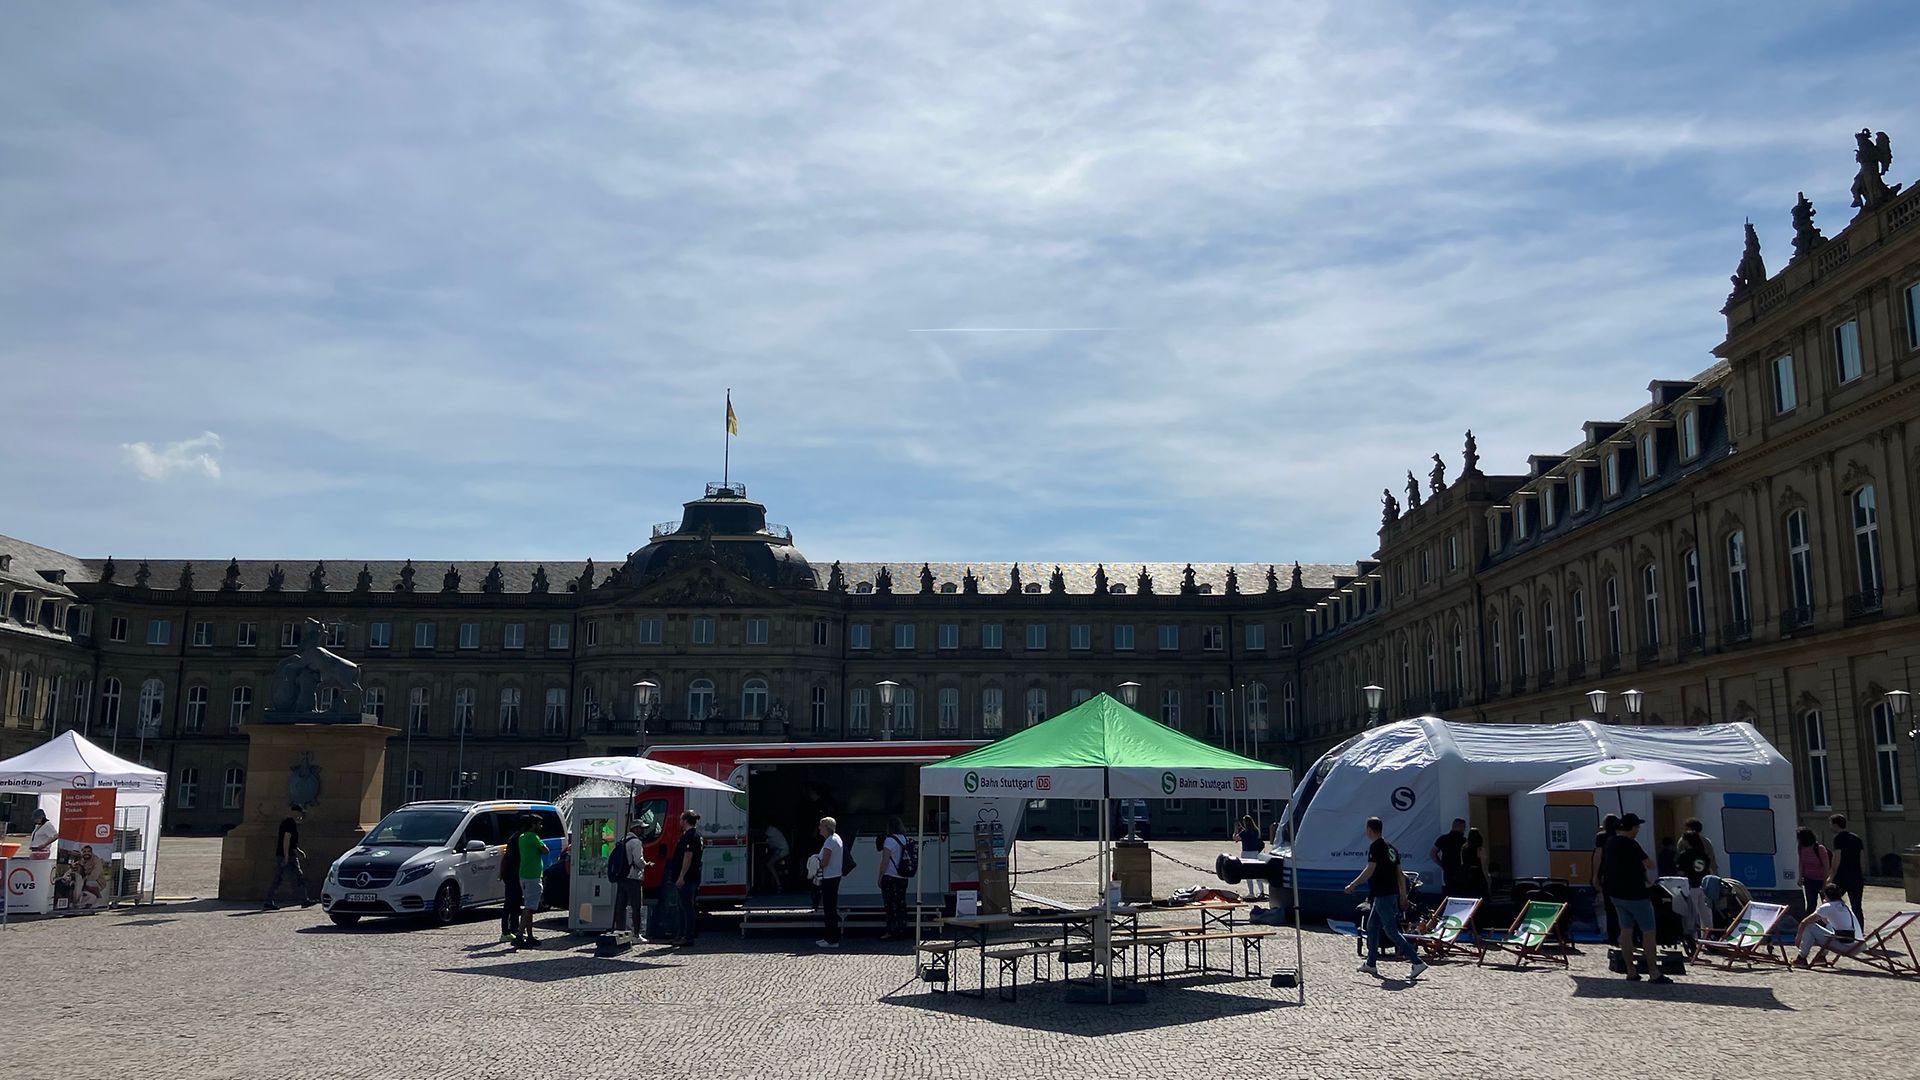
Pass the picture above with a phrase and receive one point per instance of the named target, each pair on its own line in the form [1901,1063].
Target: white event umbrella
[1619,773]
[634,770]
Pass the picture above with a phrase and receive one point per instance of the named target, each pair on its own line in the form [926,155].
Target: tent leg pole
[1299,949]
[919,882]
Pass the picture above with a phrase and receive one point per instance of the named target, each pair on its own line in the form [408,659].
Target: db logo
[1239,783]
[1043,782]
[20,882]
[1403,798]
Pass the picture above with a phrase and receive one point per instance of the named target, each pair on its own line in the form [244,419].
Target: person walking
[1832,922]
[1386,887]
[1625,867]
[1447,852]
[510,889]
[629,886]
[1252,847]
[1603,912]
[1849,865]
[893,883]
[286,859]
[532,868]
[684,866]
[833,859]
[1816,865]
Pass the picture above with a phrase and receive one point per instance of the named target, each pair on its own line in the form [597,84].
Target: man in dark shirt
[1608,923]
[1849,864]
[1623,871]
[1385,886]
[510,889]
[287,856]
[684,868]
[1446,852]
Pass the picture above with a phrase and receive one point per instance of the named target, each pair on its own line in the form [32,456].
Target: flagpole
[726,453]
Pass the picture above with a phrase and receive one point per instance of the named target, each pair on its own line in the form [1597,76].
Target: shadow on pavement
[557,968]
[143,922]
[1046,1008]
[1680,992]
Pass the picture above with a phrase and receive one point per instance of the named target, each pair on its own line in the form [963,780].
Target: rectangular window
[1036,706]
[647,631]
[1549,509]
[1913,316]
[991,635]
[159,631]
[1578,601]
[289,635]
[202,635]
[424,634]
[1286,635]
[1800,559]
[513,636]
[1650,600]
[1577,488]
[1819,790]
[819,631]
[817,709]
[703,630]
[1846,351]
[417,709]
[1866,540]
[374,703]
[1886,757]
[757,631]
[1696,609]
[860,636]
[906,711]
[1123,637]
[949,710]
[993,709]
[240,707]
[463,710]
[593,632]
[559,635]
[1080,696]
[1426,565]
[859,709]
[246,635]
[1169,636]
[1785,397]
[1174,806]
[1689,435]
[1256,637]
[555,719]
[1519,519]
[1649,455]
[1036,635]
[116,629]
[233,786]
[469,635]
[949,635]
[1080,636]
[903,635]
[1453,552]
[1212,638]
[187,788]
[1613,617]
[379,635]
[1613,475]
[1170,708]
[1216,713]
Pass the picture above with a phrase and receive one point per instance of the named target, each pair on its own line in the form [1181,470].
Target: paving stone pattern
[200,989]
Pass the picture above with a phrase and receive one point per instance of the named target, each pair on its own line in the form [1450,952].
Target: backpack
[618,865]
[908,864]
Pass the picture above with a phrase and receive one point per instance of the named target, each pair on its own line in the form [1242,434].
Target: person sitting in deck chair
[1831,925]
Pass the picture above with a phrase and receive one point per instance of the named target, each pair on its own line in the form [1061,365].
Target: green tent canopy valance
[1101,749]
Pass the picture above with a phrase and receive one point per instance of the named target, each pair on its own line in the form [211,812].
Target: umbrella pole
[919,881]
[1299,949]
[1105,940]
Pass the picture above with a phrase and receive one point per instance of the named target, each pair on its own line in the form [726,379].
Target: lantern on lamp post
[1597,701]
[645,693]
[1633,699]
[1130,694]
[886,688]
[1376,698]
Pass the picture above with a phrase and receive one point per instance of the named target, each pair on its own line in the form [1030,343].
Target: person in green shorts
[533,869]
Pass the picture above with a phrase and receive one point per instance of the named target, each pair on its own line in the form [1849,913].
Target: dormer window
[1116,590]
[1689,434]
[949,588]
[1613,475]
[1032,587]
[1577,487]
[1649,455]
[1549,507]
[863,588]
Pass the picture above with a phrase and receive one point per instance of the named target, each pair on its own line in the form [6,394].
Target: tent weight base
[1284,979]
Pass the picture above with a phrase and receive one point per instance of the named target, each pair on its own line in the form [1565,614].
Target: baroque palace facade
[1743,547]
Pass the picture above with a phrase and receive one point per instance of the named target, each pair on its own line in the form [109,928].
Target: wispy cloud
[195,455]
[1182,282]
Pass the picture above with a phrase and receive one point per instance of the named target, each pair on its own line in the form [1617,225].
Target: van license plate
[361,898]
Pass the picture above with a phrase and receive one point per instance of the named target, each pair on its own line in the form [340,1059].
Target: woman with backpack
[1816,862]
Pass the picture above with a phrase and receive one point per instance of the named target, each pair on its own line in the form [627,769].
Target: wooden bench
[937,968]
[1156,940]
[1009,961]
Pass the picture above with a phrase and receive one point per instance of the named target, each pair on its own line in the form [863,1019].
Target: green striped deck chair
[1452,930]
[1749,938]
[1532,929]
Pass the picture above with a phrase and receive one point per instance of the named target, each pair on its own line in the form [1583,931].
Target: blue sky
[468,280]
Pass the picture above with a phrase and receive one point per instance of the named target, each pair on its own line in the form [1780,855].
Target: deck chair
[1750,938]
[1887,946]
[1527,938]
[1442,937]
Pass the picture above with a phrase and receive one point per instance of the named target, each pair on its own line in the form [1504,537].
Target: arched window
[699,699]
[1577,600]
[147,716]
[753,699]
[509,710]
[993,709]
[417,709]
[1519,644]
[1819,789]
[1696,604]
[1289,711]
[1036,705]
[859,709]
[1549,638]
[463,709]
[1256,707]
[186,789]
[373,702]
[906,711]
[196,719]
[1496,659]
[1117,590]
[232,786]
[949,710]
[1612,590]
[1170,708]
[1800,564]
[110,704]
[949,588]
[555,719]
[817,709]
[1866,544]
[1650,603]
[1433,665]
[1737,610]
[863,588]
[1032,587]
[1459,659]
[1886,757]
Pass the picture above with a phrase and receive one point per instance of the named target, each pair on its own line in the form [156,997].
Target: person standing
[286,858]
[893,883]
[1849,865]
[1816,865]
[1386,887]
[1251,847]
[1475,881]
[1603,914]
[684,866]
[45,833]
[1446,851]
[1624,870]
[510,889]
[833,858]
[777,851]
[628,889]
[533,872]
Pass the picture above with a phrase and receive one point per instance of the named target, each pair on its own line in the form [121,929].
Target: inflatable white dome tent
[1418,775]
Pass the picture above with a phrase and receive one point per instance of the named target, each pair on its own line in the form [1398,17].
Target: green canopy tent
[1101,749]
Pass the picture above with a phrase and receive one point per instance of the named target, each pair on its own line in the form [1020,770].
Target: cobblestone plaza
[200,989]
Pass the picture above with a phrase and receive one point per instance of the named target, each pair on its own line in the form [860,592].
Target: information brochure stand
[990,856]
[599,822]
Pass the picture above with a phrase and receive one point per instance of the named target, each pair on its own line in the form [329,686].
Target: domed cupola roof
[727,528]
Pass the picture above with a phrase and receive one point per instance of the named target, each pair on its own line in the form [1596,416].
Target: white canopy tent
[69,762]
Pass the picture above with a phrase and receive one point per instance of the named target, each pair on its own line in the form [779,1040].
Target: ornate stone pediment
[706,584]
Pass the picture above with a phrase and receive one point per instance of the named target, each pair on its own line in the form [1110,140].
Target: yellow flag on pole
[733,422]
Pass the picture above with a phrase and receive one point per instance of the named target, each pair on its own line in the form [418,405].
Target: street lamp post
[1897,701]
[1376,697]
[1597,701]
[886,688]
[1130,694]
[1634,699]
[645,693]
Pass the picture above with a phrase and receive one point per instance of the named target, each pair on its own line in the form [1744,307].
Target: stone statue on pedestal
[294,695]
[1875,155]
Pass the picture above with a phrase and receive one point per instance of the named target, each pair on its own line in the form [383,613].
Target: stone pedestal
[336,770]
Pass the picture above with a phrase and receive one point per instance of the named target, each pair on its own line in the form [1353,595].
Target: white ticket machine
[598,824]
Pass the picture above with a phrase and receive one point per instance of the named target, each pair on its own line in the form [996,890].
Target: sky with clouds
[1100,281]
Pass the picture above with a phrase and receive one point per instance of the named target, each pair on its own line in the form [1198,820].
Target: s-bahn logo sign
[1169,783]
[1403,799]
[1618,768]
[973,782]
